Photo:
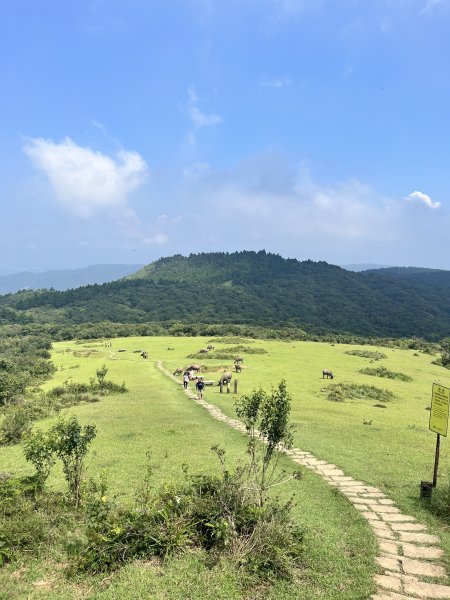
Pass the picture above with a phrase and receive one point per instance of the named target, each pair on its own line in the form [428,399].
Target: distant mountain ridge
[364,267]
[64,279]
[255,288]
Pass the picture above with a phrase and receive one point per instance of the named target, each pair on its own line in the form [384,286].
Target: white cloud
[196,171]
[263,199]
[424,198]
[159,239]
[199,118]
[84,180]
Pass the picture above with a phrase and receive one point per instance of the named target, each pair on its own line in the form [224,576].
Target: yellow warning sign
[440,401]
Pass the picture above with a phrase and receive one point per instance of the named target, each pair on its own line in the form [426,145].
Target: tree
[266,419]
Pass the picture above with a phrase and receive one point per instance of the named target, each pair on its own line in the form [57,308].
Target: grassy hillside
[250,288]
[339,549]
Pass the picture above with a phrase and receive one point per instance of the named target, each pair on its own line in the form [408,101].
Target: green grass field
[390,448]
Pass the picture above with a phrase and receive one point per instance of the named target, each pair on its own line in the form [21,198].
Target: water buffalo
[238,360]
[225,379]
[178,371]
[144,354]
[327,373]
[203,351]
[196,368]
[210,347]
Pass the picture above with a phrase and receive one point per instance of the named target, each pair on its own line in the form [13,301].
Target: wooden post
[235,386]
[436,459]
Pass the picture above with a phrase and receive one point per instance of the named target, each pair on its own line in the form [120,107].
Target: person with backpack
[200,385]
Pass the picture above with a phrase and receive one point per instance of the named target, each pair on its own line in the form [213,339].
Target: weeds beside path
[408,555]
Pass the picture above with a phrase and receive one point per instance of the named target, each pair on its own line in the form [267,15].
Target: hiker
[185,380]
[199,386]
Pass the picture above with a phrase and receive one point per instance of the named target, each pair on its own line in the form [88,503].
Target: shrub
[383,372]
[39,449]
[228,353]
[21,526]
[15,424]
[342,391]
[70,442]
[215,513]
[373,354]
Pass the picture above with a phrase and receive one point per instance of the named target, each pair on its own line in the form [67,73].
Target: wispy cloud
[84,180]
[291,7]
[432,5]
[277,83]
[286,11]
[427,7]
[424,198]
[199,118]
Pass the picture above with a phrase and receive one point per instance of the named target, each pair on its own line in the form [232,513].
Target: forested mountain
[64,279]
[253,288]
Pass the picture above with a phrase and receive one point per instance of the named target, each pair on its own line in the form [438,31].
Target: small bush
[70,442]
[231,340]
[373,354]
[21,526]
[229,353]
[342,391]
[383,372]
[16,422]
[215,513]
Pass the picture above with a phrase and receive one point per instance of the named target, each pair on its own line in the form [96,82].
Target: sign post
[440,402]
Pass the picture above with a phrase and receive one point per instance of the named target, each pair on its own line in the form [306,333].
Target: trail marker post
[440,402]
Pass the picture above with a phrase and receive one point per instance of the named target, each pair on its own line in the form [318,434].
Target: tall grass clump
[383,372]
[372,354]
[439,503]
[342,391]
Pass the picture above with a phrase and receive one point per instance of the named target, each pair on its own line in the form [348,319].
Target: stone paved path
[408,554]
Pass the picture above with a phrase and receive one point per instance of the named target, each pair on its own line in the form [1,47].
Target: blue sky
[135,129]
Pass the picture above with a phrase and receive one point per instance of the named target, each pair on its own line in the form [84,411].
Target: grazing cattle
[225,379]
[203,351]
[210,347]
[178,371]
[238,367]
[238,359]
[327,373]
[144,354]
[196,368]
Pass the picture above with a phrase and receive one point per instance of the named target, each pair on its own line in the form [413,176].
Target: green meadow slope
[155,414]
[390,448]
